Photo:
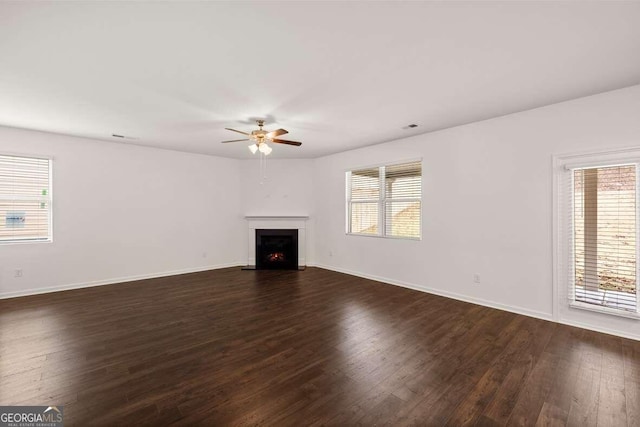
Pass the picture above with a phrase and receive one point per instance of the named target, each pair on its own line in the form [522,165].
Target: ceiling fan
[260,138]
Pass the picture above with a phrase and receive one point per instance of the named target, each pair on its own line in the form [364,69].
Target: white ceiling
[336,75]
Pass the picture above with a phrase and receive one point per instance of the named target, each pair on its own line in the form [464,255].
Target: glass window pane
[364,218]
[403,219]
[365,184]
[604,221]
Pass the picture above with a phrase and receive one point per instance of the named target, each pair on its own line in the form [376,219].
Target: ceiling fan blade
[275,133]
[284,141]
[239,131]
[235,140]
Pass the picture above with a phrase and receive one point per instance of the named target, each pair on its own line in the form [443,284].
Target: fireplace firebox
[276,249]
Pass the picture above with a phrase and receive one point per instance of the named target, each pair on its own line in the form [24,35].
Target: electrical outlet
[330,253]
[17,273]
[476,278]
[204,254]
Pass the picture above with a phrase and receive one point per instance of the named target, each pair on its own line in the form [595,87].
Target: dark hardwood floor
[314,347]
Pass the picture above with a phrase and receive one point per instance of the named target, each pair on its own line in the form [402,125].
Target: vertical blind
[385,200]
[604,227]
[25,199]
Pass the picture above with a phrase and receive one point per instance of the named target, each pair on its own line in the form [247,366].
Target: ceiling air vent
[115,135]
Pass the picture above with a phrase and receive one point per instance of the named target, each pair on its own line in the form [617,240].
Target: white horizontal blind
[364,201]
[604,226]
[25,199]
[385,201]
[403,192]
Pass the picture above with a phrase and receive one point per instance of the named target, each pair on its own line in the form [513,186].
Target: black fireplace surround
[276,249]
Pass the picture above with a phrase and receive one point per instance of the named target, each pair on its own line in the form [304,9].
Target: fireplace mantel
[276,222]
[275,217]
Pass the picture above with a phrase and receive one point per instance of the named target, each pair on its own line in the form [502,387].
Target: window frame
[49,200]
[563,265]
[381,201]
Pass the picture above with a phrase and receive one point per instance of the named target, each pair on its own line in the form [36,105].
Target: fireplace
[274,223]
[276,249]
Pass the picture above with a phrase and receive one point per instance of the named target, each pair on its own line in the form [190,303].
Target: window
[385,201]
[600,234]
[25,199]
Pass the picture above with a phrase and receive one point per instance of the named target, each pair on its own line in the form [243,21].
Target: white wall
[487,206]
[122,211]
[287,190]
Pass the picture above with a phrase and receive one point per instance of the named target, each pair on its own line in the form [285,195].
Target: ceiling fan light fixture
[260,137]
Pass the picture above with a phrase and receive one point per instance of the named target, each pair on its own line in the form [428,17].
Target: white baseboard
[452,295]
[479,301]
[607,331]
[6,295]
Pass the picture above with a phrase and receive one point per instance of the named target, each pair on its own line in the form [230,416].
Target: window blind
[385,200]
[403,191]
[603,253]
[364,197]
[25,199]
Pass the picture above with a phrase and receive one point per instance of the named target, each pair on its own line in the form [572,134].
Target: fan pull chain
[264,177]
[263,168]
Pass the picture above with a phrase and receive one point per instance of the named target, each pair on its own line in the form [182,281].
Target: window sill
[384,237]
[24,242]
[604,310]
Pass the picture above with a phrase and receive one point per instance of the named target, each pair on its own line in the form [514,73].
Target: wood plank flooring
[314,347]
